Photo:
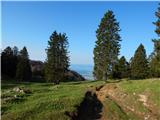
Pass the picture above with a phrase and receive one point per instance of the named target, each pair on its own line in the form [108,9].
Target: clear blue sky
[31,23]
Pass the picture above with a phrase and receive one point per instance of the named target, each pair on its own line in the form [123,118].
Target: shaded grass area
[45,102]
[89,109]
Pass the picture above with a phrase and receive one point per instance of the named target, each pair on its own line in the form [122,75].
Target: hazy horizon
[83,69]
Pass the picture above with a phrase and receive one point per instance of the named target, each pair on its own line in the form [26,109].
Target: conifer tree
[116,73]
[6,61]
[15,51]
[9,61]
[23,72]
[57,62]
[107,46]
[15,60]
[155,56]
[121,69]
[157,23]
[139,64]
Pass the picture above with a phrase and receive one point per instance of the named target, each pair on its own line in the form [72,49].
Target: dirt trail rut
[94,107]
[123,100]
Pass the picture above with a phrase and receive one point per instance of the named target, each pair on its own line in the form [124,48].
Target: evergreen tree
[9,61]
[124,67]
[15,51]
[6,61]
[107,46]
[155,56]
[23,72]
[116,73]
[157,23]
[139,64]
[15,60]
[121,69]
[57,62]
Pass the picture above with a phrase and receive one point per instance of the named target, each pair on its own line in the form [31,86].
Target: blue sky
[31,23]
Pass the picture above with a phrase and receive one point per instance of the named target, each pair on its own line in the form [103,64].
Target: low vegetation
[45,100]
[24,101]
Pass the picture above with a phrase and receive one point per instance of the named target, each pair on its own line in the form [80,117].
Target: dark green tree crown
[24,53]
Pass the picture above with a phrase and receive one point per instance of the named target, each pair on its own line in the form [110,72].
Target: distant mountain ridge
[70,75]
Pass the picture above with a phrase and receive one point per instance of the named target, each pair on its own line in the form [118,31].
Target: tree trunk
[104,76]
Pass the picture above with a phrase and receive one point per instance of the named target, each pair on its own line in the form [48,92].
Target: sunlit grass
[47,101]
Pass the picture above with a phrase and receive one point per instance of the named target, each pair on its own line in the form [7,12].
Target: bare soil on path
[127,103]
[95,107]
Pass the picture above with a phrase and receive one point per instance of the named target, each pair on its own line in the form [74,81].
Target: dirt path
[126,103]
[95,107]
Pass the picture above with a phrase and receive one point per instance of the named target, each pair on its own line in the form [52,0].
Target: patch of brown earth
[93,108]
[144,99]
[124,100]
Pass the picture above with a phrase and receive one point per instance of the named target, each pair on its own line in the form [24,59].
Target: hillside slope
[131,100]
[87,100]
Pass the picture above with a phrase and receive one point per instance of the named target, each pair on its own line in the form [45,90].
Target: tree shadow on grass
[89,109]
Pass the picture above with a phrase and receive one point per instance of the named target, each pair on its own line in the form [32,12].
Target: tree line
[15,64]
[107,64]
[107,48]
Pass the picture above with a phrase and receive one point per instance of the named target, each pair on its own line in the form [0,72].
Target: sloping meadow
[45,101]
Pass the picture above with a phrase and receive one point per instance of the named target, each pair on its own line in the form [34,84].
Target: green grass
[133,88]
[47,101]
[147,86]
[114,111]
[50,102]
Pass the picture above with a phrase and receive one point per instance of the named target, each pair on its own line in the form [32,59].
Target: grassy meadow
[46,101]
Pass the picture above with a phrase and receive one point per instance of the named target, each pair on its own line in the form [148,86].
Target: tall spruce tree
[155,56]
[57,62]
[107,46]
[23,72]
[139,64]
